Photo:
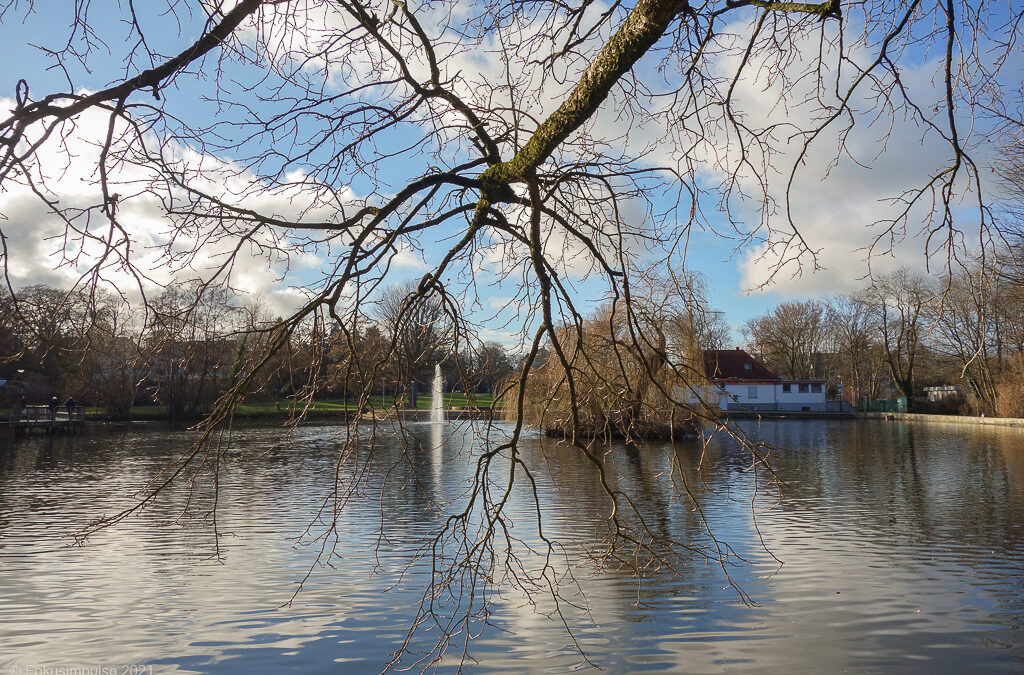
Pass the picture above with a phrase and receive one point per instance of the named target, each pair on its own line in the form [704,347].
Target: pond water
[902,550]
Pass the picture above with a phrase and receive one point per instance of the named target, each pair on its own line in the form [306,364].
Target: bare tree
[790,338]
[420,331]
[113,367]
[714,331]
[357,362]
[53,330]
[191,344]
[899,304]
[630,386]
[550,140]
[963,324]
[489,365]
[858,355]
[694,322]
[1009,168]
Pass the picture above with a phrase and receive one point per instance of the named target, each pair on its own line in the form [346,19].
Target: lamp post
[21,387]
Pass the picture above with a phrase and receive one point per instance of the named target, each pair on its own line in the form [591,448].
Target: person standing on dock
[53,408]
[70,405]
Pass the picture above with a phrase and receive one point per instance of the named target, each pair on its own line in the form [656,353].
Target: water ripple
[903,551]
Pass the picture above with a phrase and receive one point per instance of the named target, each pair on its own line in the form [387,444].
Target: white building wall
[796,400]
[752,396]
[768,396]
[712,395]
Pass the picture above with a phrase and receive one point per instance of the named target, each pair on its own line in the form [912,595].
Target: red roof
[734,364]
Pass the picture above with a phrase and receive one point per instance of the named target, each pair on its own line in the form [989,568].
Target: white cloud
[164,248]
[408,258]
[842,199]
[498,302]
[833,215]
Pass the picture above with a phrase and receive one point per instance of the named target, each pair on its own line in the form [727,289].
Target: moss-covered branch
[825,10]
[639,32]
[645,25]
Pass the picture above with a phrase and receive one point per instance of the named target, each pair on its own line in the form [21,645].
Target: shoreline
[959,420]
[454,414]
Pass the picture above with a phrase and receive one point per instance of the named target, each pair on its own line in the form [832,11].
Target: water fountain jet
[436,411]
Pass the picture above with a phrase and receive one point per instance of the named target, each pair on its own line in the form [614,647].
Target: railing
[44,416]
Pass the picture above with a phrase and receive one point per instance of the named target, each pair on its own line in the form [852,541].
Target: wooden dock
[42,418]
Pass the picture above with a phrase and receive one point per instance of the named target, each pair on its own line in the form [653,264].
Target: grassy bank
[286,408]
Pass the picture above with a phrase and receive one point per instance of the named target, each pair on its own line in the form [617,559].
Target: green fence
[889,405]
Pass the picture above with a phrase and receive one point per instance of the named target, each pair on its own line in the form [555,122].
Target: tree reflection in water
[901,545]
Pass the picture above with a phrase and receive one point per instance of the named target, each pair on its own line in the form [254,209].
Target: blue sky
[834,215]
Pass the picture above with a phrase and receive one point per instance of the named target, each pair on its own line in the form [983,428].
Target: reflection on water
[902,551]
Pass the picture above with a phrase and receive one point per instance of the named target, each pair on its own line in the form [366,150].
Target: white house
[741,382]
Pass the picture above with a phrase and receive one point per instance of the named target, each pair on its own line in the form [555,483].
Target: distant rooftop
[734,364]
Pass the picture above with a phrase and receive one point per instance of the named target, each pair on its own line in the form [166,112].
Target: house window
[786,388]
[752,392]
[804,388]
[748,366]
[815,388]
